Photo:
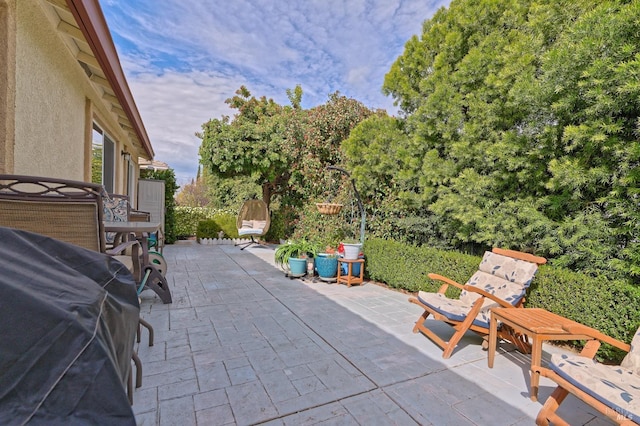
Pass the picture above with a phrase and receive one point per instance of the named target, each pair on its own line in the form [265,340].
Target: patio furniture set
[74,213]
[491,305]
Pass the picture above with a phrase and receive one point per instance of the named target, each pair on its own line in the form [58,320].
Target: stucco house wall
[49,100]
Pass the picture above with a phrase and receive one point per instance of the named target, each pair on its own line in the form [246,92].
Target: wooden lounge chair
[501,280]
[613,390]
[69,211]
[253,220]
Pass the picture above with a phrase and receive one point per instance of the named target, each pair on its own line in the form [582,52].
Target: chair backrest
[116,208]
[632,359]
[66,210]
[504,273]
[254,213]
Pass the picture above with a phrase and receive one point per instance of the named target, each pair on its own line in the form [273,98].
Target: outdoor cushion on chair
[502,276]
[116,209]
[613,390]
[253,220]
[613,385]
[502,280]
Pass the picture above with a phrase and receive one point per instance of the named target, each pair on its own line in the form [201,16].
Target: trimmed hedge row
[606,305]
[187,219]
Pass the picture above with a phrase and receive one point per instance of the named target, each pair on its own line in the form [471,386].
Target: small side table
[539,324]
[348,279]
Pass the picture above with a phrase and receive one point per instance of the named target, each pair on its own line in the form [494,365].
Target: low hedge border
[606,305]
[187,219]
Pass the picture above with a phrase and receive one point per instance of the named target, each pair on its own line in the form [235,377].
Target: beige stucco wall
[55,104]
[50,104]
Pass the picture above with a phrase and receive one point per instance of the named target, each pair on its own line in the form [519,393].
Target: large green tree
[520,122]
[260,142]
[285,149]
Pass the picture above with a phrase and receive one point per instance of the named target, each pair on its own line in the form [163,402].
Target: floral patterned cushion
[614,386]
[632,360]
[115,209]
[455,309]
[503,276]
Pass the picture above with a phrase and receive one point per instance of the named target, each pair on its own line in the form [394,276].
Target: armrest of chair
[592,332]
[447,282]
[481,292]
[136,256]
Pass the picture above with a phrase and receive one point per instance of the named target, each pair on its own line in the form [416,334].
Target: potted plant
[294,255]
[327,264]
[350,249]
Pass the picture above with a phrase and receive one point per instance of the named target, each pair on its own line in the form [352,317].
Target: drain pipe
[358,199]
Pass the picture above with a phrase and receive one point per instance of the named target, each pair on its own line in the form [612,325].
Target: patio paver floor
[243,344]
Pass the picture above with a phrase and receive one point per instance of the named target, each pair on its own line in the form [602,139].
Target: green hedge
[606,305]
[406,267]
[227,222]
[187,219]
[208,229]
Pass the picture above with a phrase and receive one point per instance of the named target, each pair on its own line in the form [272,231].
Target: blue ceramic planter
[355,269]
[297,266]
[326,266]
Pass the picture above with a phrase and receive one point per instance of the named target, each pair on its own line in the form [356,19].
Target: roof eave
[93,25]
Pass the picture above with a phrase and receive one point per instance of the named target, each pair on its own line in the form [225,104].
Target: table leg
[536,361]
[493,339]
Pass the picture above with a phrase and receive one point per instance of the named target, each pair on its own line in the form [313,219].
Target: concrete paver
[243,344]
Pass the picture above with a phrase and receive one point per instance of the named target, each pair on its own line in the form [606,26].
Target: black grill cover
[68,318]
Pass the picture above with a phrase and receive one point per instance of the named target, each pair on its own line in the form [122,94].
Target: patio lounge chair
[501,281]
[253,220]
[614,390]
[68,211]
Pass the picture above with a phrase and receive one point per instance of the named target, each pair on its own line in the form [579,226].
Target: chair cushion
[503,276]
[115,210]
[614,386]
[259,224]
[247,224]
[249,231]
[455,309]
[632,360]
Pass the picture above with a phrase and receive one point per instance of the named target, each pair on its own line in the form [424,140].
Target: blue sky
[183,58]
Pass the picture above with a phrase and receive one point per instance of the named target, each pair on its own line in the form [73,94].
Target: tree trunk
[266,193]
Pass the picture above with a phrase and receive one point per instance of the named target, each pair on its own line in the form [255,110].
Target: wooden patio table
[536,323]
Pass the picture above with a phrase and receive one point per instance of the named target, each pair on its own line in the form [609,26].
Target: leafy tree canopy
[519,128]
[284,149]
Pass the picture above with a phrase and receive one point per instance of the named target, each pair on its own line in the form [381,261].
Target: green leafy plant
[208,229]
[295,248]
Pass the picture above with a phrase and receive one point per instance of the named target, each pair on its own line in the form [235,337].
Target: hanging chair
[253,221]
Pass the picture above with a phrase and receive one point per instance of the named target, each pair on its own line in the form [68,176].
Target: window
[103,151]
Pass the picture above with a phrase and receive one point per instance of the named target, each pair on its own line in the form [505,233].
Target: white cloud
[184,58]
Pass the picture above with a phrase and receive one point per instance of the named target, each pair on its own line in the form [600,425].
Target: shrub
[609,306]
[208,229]
[227,223]
[606,305]
[277,226]
[406,267]
[187,219]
